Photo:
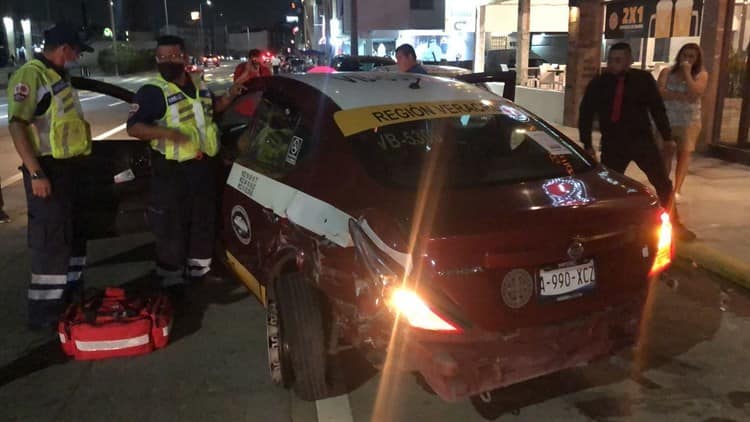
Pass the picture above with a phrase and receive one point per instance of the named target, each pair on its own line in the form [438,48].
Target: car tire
[303,334]
[279,365]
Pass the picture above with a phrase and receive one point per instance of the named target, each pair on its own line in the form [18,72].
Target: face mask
[70,64]
[171,71]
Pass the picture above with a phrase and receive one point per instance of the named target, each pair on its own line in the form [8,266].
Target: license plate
[567,279]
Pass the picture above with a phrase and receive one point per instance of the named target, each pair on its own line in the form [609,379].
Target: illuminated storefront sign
[653,19]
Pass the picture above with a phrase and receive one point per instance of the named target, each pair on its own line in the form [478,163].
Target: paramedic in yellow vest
[51,136]
[175,113]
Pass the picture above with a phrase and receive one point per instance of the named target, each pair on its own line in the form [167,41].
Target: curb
[714,261]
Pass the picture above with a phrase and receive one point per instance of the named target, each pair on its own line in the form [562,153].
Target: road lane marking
[92,98]
[111,132]
[334,409]
[12,179]
[116,103]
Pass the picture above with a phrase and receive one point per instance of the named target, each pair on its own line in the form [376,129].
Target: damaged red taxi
[373,208]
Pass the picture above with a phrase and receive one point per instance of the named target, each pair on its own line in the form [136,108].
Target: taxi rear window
[467,150]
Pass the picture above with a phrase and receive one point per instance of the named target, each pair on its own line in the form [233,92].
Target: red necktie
[617,104]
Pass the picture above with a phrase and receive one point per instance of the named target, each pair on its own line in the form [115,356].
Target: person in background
[624,99]
[406,60]
[682,86]
[252,68]
[4,217]
[275,64]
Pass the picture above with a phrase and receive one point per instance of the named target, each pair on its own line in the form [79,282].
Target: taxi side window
[276,141]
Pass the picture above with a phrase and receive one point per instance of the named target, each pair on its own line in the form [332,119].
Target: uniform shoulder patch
[20,92]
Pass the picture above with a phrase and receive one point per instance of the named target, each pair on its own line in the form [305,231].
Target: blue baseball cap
[63,33]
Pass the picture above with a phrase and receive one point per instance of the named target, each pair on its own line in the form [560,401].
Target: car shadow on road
[188,320]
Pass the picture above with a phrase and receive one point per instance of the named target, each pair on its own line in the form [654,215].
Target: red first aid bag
[113,325]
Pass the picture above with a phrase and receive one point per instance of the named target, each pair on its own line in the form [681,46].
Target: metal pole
[523,43]
[114,35]
[202,41]
[248,37]
[213,33]
[166,17]
[354,37]
[742,27]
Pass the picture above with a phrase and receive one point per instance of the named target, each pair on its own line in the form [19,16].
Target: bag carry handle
[92,306]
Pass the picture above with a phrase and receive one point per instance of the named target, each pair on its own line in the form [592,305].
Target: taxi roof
[351,90]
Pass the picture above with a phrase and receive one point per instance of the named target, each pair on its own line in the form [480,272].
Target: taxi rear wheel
[302,336]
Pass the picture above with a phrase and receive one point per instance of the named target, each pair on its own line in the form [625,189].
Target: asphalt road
[691,366]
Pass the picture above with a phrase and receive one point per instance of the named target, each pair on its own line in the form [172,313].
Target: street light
[203,37]
[114,35]
[166,17]
[10,34]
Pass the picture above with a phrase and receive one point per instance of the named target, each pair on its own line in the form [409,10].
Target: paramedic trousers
[182,217]
[57,239]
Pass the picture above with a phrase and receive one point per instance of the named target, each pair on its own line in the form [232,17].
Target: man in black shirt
[624,99]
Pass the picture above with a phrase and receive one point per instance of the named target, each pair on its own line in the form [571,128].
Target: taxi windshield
[471,150]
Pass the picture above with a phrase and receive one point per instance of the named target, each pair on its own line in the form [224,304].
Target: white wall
[544,103]
[547,16]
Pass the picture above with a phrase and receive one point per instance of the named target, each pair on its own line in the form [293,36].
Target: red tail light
[409,305]
[665,247]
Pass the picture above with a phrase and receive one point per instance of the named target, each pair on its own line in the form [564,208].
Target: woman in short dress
[682,87]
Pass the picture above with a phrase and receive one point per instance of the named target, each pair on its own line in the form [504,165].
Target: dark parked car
[359,63]
[433,219]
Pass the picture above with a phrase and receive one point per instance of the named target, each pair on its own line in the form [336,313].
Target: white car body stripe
[306,211]
[350,90]
[313,214]
[95,346]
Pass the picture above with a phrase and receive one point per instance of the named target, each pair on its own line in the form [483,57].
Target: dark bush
[129,60]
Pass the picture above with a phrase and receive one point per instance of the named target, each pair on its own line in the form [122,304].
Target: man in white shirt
[275,64]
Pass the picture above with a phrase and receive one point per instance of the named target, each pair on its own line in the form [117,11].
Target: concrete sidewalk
[715,206]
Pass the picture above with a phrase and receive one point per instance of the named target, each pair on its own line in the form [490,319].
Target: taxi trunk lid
[500,261]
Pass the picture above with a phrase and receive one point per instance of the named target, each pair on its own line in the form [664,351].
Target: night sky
[148,13]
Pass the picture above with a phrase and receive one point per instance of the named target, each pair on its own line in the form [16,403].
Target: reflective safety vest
[191,116]
[61,131]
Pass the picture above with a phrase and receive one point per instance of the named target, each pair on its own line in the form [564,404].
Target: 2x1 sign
[653,19]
